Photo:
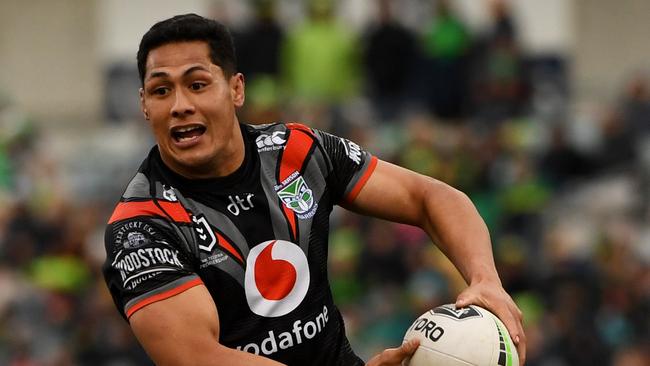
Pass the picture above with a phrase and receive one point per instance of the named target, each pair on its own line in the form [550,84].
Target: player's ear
[145,113]
[237,87]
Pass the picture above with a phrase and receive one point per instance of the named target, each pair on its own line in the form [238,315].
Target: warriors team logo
[297,196]
[276,279]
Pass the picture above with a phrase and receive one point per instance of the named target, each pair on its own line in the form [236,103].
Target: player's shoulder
[264,128]
[139,187]
[148,199]
[139,222]
[275,136]
[140,184]
[279,126]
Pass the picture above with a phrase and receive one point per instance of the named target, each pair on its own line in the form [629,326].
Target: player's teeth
[180,139]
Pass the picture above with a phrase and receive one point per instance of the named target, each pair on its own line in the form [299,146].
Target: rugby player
[217,249]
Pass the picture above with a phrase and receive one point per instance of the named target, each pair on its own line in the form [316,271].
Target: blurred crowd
[563,186]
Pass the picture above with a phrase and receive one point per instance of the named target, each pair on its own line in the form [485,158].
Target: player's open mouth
[187,133]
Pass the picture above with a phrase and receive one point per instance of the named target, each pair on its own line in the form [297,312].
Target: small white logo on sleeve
[353,150]
[276,279]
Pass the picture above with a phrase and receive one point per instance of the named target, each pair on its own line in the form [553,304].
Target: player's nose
[182,105]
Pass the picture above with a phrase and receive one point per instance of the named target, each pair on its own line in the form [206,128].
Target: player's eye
[160,91]
[197,86]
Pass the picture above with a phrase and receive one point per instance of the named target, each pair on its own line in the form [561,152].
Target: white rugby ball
[461,337]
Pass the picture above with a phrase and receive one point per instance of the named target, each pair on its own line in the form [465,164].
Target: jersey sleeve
[145,263]
[351,165]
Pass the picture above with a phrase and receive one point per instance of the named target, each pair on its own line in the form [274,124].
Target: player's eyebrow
[195,68]
[163,74]
[158,74]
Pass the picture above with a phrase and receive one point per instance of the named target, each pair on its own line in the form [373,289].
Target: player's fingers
[501,305]
[397,355]
[406,349]
[521,350]
[513,320]
[410,347]
[466,298]
[521,337]
[505,309]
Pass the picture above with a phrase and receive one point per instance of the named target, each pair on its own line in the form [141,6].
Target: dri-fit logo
[276,279]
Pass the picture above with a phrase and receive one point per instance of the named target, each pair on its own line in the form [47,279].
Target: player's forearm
[452,221]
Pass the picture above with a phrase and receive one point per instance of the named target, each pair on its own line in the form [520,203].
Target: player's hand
[394,356]
[491,295]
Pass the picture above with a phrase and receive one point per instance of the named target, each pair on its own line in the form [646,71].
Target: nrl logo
[207,240]
[297,196]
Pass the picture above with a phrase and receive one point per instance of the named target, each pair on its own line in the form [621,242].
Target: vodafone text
[288,339]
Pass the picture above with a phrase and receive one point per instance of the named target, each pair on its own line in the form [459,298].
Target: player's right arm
[149,273]
[184,330]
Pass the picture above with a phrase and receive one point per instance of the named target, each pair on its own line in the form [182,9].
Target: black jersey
[257,239]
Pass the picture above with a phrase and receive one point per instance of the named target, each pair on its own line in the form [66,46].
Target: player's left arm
[451,220]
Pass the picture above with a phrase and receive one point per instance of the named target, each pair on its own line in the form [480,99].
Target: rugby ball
[470,336]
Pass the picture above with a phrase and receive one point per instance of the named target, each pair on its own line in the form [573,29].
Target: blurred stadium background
[539,110]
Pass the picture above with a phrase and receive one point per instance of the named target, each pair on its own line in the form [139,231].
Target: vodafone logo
[276,279]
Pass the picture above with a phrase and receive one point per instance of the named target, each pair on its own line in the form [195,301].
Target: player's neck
[232,156]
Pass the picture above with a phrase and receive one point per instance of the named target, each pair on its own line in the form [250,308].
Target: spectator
[500,90]
[635,106]
[446,46]
[258,46]
[258,50]
[562,163]
[320,58]
[389,58]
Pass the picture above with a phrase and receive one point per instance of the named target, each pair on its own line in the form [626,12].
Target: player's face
[191,107]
